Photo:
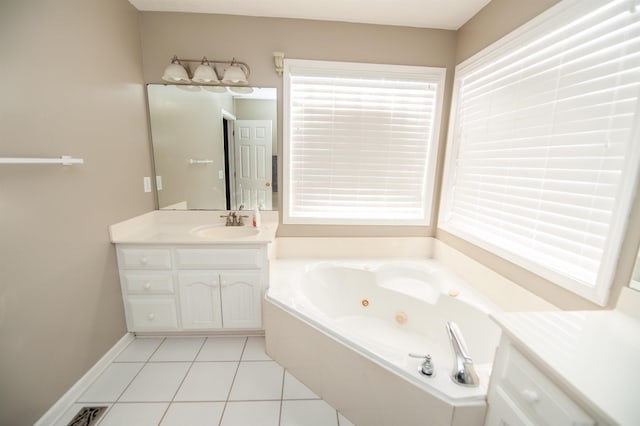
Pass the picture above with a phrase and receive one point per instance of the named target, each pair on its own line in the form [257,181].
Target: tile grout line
[183,379]
[284,372]
[144,364]
[246,340]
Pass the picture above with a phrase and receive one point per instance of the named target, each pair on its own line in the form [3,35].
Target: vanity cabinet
[521,394]
[175,288]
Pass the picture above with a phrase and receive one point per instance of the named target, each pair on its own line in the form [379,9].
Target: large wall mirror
[214,147]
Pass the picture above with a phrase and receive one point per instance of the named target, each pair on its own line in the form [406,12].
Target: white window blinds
[360,142]
[543,153]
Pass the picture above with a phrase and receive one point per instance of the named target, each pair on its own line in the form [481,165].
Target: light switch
[147,184]
[220,174]
[159,183]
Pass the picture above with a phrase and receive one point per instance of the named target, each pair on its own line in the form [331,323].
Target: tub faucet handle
[426,367]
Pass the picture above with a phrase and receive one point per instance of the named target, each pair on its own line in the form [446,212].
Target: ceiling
[443,14]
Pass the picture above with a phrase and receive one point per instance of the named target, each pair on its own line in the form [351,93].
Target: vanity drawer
[148,282]
[536,395]
[152,313]
[227,258]
[145,258]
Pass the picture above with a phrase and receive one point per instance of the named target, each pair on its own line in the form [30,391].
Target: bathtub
[371,314]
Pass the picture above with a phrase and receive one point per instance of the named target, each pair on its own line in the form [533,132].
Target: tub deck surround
[591,356]
[181,227]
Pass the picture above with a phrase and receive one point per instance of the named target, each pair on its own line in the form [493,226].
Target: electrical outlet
[147,184]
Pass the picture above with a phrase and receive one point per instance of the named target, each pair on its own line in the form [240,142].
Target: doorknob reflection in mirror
[268,184]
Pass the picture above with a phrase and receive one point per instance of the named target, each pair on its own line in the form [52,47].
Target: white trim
[226,114]
[61,406]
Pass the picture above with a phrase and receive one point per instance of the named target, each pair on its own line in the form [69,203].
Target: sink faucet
[234,219]
[464,372]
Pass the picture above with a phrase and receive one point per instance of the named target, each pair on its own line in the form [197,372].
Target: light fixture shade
[234,75]
[205,74]
[175,72]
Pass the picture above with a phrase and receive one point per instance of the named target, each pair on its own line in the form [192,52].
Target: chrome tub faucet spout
[464,372]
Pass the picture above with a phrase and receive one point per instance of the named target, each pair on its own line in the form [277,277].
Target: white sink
[220,231]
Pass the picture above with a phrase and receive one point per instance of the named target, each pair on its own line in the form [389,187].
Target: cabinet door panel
[242,299]
[199,300]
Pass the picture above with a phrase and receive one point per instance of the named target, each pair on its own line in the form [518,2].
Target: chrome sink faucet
[234,219]
[464,373]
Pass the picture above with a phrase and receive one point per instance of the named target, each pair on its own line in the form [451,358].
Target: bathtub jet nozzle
[464,373]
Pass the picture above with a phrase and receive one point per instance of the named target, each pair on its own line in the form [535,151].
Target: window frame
[597,292]
[436,75]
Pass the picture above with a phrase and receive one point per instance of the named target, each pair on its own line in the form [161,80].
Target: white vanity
[567,368]
[184,271]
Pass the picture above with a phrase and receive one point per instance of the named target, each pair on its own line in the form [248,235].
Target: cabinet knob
[147,286]
[151,316]
[224,283]
[530,396]
[144,260]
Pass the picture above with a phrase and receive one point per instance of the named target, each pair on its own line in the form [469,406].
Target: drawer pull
[151,316]
[144,260]
[147,286]
[530,396]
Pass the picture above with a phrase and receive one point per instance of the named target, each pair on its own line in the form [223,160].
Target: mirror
[214,147]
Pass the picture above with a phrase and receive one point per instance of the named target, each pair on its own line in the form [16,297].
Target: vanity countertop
[594,354]
[192,227]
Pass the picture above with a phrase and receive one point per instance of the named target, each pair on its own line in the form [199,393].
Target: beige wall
[253,40]
[71,84]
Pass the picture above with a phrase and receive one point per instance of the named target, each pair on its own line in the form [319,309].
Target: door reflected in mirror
[214,147]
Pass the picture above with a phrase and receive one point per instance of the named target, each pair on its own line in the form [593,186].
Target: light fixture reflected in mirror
[236,73]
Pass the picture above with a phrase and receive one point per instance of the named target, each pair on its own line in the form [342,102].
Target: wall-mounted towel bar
[65,160]
[192,161]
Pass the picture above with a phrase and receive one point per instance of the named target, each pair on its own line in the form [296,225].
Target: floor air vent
[87,416]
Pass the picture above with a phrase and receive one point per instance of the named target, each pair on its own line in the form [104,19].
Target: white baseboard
[70,397]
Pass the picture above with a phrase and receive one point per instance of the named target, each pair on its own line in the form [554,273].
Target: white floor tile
[178,349]
[294,389]
[254,350]
[343,421]
[141,414]
[72,411]
[156,382]
[257,381]
[193,414]
[207,381]
[256,413]
[308,413]
[111,383]
[222,349]
[139,350]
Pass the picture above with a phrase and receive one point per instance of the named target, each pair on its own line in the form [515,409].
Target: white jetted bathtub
[339,324]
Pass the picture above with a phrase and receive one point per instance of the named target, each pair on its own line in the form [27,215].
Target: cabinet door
[241,299]
[199,300]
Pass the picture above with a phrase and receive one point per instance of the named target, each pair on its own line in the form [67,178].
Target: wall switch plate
[220,174]
[147,184]
[159,183]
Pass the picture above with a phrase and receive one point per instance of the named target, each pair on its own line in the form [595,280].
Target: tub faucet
[463,371]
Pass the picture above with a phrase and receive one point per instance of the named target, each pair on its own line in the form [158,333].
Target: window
[360,142]
[544,150]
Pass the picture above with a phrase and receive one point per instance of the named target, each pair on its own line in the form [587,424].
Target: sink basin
[219,231]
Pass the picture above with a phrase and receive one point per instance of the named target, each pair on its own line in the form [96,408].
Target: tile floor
[228,381]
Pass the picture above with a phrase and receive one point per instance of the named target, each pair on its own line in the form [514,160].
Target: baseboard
[70,397]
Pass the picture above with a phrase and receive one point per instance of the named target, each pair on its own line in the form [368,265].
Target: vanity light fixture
[205,74]
[278,59]
[236,72]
